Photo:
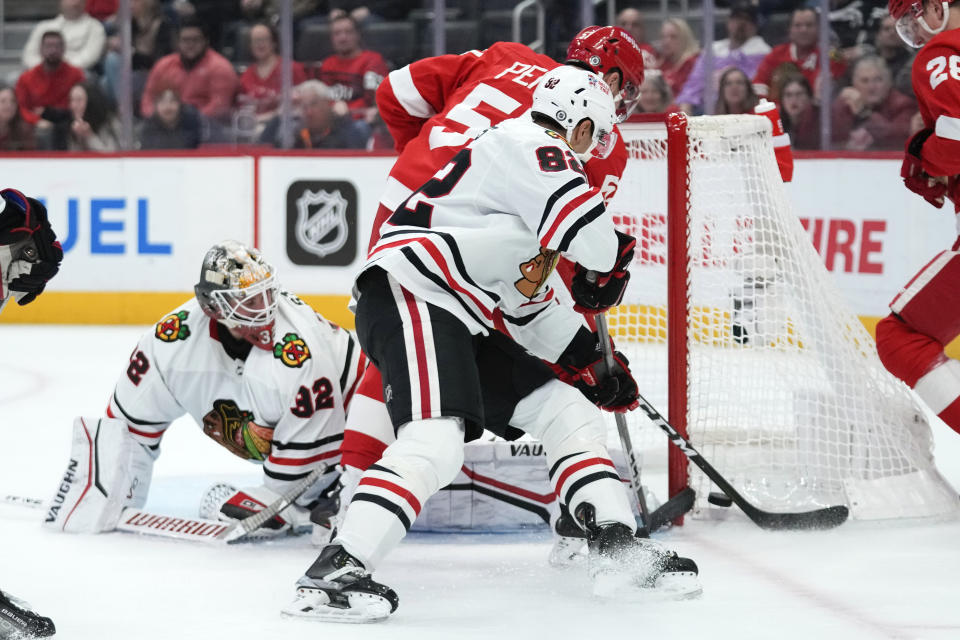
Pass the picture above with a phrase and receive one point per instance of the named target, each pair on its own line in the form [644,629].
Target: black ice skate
[337,588]
[19,622]
[622,565]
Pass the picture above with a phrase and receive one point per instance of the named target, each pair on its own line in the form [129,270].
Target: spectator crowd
[208,72]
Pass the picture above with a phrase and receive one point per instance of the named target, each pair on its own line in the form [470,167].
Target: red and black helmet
[606,49]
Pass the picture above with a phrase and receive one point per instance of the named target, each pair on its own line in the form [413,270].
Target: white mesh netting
[786,396]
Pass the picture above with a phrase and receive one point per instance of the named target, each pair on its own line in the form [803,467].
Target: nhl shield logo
[322,222]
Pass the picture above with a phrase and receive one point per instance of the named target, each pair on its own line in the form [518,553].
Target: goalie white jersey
[284,407]
[482,237]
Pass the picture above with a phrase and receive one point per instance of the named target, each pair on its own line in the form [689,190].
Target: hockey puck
[719,499]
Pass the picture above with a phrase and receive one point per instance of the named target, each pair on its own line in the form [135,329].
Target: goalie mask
[912,19]
[568,95]
[240,290]
[606,49]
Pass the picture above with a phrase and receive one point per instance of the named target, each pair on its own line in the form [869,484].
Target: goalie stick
[195,529]
[825,518]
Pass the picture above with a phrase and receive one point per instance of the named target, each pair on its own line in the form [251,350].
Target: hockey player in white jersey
[30,256]
[264,376]
[479,239]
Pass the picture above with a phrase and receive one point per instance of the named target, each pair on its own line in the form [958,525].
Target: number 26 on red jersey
[941,68]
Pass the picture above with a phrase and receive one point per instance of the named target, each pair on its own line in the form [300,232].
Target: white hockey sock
[426,456]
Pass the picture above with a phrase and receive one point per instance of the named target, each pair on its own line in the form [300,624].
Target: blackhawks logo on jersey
[292,351]
[172,328]
[235,429]
[535,272]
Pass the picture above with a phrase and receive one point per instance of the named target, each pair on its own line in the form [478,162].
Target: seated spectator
[801,50]
[204,78]
[93,126]
[871,115]
[800,115]
[317,125]
[736,93]
[153,35]
[631,21]
[366,11]
[44,91]
[655,95]
[260,83]
[352,74]
[16,134]
[173,125]
[678,52]
[743,49]
[896,54]
[83,36]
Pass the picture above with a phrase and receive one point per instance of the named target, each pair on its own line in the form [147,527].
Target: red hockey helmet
[605,49]
[911,25]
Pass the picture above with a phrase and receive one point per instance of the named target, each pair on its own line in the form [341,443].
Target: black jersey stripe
[524,320]
[376,467]
[302,446]
[451,242]
[284,476]
[585,480]
[347,366]
[130,418]
[552,200]
[414,260]
[380,501]
[559,462]
[574,229]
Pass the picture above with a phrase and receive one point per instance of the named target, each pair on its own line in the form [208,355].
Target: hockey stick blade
[672,509]
[241,528]
[825,518]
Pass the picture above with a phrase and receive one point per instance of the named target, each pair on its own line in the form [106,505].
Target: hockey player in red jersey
[926,313]
[505,206]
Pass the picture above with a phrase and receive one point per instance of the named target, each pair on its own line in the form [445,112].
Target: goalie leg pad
[108,471]
[426,456]
[572,432]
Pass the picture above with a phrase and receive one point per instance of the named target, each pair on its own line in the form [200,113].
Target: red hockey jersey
[936,83]
[435,106]
[354,80]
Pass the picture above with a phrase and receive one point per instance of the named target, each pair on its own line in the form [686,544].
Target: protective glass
[914,30]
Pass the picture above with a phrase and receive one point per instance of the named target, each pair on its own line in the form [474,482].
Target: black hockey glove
[584,367]
[596,292]
[24,224]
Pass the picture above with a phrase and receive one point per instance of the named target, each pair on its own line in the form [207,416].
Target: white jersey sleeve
[141,397]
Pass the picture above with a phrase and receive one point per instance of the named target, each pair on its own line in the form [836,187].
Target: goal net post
[734,327]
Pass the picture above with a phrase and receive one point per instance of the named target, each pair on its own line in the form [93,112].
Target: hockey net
[736,331]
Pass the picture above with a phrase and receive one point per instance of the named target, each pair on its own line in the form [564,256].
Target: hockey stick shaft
[825,518]
[241,528]
[635,484]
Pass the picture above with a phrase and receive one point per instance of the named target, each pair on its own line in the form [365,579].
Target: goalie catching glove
[582,365]
[596,292]
[30,254]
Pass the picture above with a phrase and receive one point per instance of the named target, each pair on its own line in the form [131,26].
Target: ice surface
[859,581]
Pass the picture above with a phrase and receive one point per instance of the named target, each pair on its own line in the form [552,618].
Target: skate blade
[622,587]
[314,604]
[567,555]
